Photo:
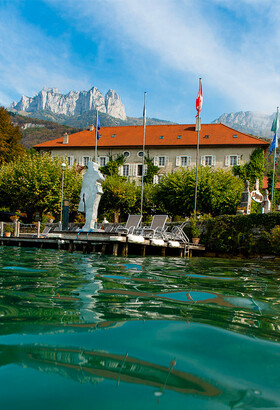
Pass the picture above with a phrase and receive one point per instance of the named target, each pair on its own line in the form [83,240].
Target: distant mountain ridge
[72,104]
[78,109]
[45,125]
[250,122]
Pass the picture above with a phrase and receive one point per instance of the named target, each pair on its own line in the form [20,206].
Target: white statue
[266,204]
[90,195]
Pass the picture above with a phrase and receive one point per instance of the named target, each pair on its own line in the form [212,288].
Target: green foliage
[148,201]
[33,183]
[8,228]
[241,234]
[151,169]
[274,239]
[112,166]
[119,197]
[10,137]
[195,230]
[218,192]
[253,169]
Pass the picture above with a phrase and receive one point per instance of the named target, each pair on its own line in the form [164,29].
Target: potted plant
[195,230]
[16,216]
[48,217]
[8,229]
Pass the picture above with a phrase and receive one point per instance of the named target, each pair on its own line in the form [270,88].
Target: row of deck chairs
[157,229]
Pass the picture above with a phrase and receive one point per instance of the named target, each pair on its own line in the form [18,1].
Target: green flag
[275,124]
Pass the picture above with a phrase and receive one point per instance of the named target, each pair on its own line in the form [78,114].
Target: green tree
[33,183]
[119,197]
[253,169]
[112,166]
[10,137]
[218,192]
[151,169]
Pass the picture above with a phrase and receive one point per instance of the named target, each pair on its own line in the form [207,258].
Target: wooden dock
[101,242]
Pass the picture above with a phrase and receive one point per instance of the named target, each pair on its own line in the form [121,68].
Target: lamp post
[63,167]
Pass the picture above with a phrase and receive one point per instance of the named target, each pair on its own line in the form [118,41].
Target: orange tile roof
[265,183]
[158,135]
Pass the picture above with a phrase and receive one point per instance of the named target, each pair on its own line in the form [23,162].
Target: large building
[170,146]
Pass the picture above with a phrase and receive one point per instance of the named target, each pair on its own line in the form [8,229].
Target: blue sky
[158,46]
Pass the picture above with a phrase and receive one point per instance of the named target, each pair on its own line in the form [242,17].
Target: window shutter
[121,170]
[155,160]
[80,160]
[166,160]
[178,161]
[155,179]
[106,160]
[189,160]
[133,169]
[145,169]
[202,160]
[214,160]
[227,160]
[238,159]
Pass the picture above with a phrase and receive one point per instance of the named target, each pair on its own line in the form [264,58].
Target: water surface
[91,331]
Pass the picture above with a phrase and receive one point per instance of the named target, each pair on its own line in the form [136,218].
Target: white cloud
[242,65]
[232,45]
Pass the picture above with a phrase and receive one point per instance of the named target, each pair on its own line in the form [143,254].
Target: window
[209,160]
[126,170]
[184,161]
[139,170]
[140,154]
[179,137]
[103,161]
[70,161]
[126,154]
[161,161]
[85,161]
[161,137]
[231,160]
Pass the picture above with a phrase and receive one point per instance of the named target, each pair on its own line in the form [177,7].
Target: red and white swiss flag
[199,99]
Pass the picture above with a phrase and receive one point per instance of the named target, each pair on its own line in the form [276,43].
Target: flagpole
[143,157]
[274,159]
[96,133]
[197,128]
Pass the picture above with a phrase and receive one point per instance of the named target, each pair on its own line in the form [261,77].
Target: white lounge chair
[156,229]
[177,234]
[132,223]
[45,232]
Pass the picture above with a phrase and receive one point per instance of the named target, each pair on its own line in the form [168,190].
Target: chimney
[91,127]
[65,138]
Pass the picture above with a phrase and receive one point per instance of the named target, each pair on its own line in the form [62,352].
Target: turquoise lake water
[101,332]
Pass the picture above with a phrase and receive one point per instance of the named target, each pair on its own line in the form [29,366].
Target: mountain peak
[250,122]
[72,104]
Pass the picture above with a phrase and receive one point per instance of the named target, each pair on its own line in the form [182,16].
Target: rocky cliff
[72,104]
[249,121]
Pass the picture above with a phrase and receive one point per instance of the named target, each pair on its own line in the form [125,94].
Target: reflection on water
[93,367]
[169,331]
